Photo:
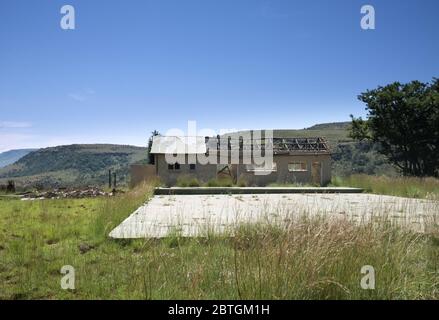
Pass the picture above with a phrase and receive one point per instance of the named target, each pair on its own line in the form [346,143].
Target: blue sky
[133,66]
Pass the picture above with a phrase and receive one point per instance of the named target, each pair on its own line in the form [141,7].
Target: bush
[212,183]
[182,181]
[10,188]
[185,181]
[194,182]
[221,182]
[241,183]
[225,182]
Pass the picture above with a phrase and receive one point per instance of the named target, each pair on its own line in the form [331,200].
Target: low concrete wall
[253,190]
[141,172]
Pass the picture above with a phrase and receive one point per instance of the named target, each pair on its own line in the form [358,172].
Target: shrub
[10,188]
[212,183]
[241,183]
[225,182]
[182,181]
[194,182]
[221,182]
[185,181]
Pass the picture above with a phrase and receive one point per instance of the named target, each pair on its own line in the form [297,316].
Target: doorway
[316,173]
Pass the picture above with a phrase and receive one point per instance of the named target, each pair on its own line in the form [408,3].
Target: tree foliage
[151,156]
[404,120]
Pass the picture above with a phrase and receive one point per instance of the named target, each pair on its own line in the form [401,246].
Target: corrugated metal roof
[178,145]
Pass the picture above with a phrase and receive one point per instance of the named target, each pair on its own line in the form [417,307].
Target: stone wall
[141,172]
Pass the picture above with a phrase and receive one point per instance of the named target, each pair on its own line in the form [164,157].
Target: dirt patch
[85,247]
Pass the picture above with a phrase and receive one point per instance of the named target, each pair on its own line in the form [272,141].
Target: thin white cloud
[77,97]
[14,124]
[81,96]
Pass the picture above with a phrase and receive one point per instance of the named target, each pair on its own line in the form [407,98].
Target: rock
[84,247]
[88,192]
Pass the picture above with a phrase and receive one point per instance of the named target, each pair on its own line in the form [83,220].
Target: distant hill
[335,133]
[331,126]
[73,165]
[9,157]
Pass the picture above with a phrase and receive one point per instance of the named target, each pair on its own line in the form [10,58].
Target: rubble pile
[63,193]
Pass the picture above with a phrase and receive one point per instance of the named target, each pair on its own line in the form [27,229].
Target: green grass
[292,185]
[220,182]
[311,259]
[187,181]
[410,187]
[38,237]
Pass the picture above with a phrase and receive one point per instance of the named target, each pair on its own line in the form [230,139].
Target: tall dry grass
[321,258]
[412,187]
[114,210]
[313,258]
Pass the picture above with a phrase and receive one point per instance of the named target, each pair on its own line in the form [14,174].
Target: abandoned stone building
[294,160]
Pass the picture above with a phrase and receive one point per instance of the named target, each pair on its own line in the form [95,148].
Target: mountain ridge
[73,165]
[10,156]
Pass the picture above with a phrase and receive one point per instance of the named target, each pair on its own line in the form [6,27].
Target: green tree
[403,119]
[151,156]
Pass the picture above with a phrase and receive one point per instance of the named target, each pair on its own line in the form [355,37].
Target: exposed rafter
[277,145]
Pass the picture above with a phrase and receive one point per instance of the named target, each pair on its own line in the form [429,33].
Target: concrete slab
[195,215]
[253,190]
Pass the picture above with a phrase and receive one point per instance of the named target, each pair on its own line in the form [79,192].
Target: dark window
[170,167]
[192,166]
[177,166]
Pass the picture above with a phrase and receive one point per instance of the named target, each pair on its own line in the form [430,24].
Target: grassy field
[410,187]
[311,259]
